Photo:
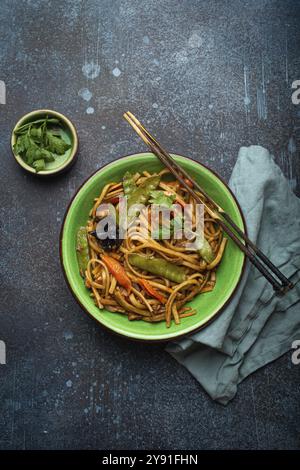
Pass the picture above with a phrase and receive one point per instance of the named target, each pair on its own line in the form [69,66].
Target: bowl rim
[135,338]
[66,122]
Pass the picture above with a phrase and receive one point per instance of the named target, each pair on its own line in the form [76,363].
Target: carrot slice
[151,291]
[117,270]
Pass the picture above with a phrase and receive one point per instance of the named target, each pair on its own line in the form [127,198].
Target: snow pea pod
[159,267]
[143,192]
[128,184]
[204,249]
[206,252]
[82,250]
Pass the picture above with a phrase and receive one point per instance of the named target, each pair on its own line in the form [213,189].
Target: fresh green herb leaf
[161,198]
[32,153]
[39,165]
[36,133]
[47,156]
[37,142]
[128,184]
[22,144]
[56,144]
[26,126]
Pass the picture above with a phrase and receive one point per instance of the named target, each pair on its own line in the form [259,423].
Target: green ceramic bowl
[61,162]
[208,305]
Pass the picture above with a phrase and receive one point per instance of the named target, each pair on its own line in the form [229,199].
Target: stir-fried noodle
[144,278]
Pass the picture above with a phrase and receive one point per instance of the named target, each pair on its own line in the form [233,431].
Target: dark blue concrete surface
[206,77]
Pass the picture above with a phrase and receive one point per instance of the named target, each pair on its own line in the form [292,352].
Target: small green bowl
[208,305]
[61,162]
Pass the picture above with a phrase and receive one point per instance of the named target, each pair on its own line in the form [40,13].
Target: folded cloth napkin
[257,326]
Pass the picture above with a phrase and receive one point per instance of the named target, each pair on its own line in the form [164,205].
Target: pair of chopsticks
[281,284]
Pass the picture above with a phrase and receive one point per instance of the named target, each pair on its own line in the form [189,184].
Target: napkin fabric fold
[257,326]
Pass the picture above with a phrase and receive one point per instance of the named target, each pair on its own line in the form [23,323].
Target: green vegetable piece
[142,193]
[159,267]
[47,156]
[56,144]
[82,250]
[39,165]
[128,184]
[160,198]
[36,133]
[22,144]
[206,251]
[25,127]
[32,154]
[37,144]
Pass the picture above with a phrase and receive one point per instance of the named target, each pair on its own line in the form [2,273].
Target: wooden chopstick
[219,210]
[253,253]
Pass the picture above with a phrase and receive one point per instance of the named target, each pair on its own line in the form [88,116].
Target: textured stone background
[207,77]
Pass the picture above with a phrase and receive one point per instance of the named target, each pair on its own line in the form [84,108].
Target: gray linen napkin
[257,326]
